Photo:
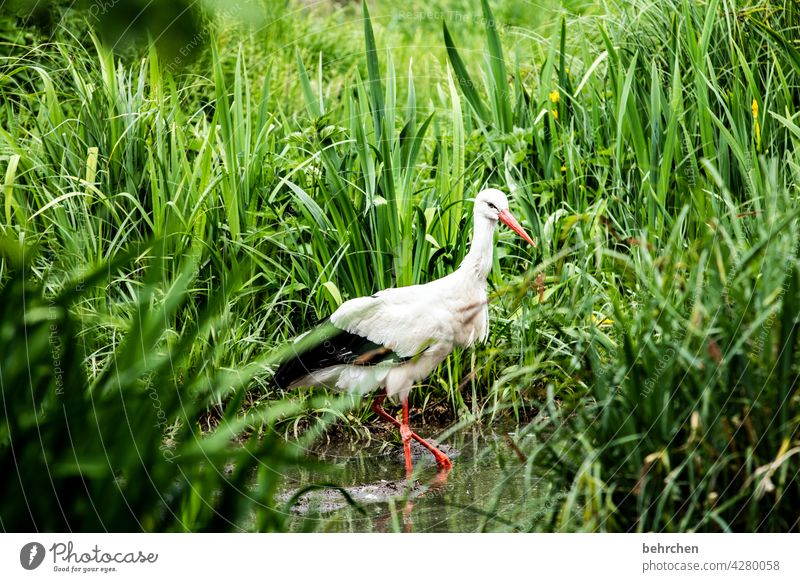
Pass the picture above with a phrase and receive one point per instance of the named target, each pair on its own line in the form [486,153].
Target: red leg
[405,434]
[441,458]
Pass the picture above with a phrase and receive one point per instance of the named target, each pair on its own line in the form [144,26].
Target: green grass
[215,209]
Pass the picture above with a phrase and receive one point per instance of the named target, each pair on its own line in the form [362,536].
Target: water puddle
[490,487]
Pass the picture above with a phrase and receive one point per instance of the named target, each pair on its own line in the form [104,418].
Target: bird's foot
[444,462]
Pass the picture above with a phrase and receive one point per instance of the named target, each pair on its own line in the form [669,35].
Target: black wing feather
[338,347]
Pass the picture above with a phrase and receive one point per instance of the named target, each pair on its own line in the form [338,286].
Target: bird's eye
[492,206]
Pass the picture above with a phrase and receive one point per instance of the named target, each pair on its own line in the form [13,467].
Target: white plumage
[409,331]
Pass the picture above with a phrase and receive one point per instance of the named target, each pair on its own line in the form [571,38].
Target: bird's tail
[320,357]
[303,355]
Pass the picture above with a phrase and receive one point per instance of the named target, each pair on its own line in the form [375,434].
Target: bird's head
[492,204]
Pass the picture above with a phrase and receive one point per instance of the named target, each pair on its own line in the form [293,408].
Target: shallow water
[490,487]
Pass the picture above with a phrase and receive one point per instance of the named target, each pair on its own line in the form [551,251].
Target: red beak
[508,219]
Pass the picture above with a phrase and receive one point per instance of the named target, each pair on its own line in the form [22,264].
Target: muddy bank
[326,499]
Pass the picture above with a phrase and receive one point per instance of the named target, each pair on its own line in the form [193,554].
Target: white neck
[478,261]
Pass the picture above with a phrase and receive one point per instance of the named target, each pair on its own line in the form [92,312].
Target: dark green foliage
[124,450]
[652,337]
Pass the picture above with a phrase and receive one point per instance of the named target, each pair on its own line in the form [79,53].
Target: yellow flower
[754,109]
[563,169]
[604,322]
[555,113]
[554,97]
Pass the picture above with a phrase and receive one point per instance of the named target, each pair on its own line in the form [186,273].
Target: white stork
[398,336]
